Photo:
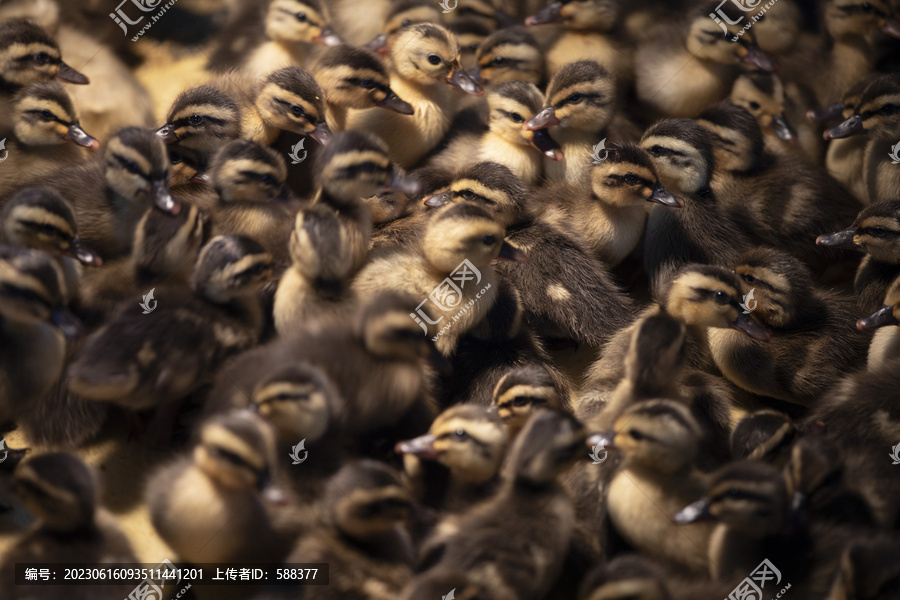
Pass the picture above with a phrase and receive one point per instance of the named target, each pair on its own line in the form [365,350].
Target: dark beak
[422,446]
[67,323]
[378,43]
[665,197]
[438,200]
[544,119]
[826,113]
[546,144]
[783,129]
[549,14]
[881,318]
[393,102]
[753,329]
[322,133]
[891,27]
[693,513]
[841,239]
[852,126]
[459,78]
[475,73]
[759,59]
[510,252]
[67,73]
[159,193]
[328,37]
[77,134]
[167,133]
[85,255]
[605,438]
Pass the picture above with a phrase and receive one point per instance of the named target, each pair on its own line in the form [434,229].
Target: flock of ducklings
[678,357]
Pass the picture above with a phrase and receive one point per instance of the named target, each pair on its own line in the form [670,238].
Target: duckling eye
[195,119]
[301,16]
[657,150]
[367,84]
[267,179]
[468,195]
[175,158]
[631,179]
[754,105]
[878,231]
[434,59]
[41,58]
[521,401]
[297,109]
[636,435]
[131,167]
[574,99]
[517,118]
[461,434]
[47,115]
[734,494]
[889,109]
[488,240]
[499,61]
[866,7]
[749,278]
[722,298]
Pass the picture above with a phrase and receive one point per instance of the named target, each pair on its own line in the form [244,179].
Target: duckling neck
[336,116]
[522,160]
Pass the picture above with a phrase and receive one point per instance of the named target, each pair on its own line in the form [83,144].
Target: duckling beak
[511,253]
[544,119]
[604,439]
[753,329]
[200,177]
[459,78]
[475,74]
[693,513]
[322,133]
[783,129]
[826,113]
[67,323]
[422,446]
[159,193]
[438,200]
[328,37]
[881,318]
[665,197]
[549,14]
[891,27]
[378,43]
[841,239]
[167,133]
[407,184]
[84,254]
[393,102]
[546,145]
[757,58]
[852,126]
[77,135]
[70,75]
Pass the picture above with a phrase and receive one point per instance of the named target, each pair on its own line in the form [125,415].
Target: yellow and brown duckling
[886,340]
[524,390]
[470,32]
[764,435]
[61,492]
[399,15]
[510,54]
[288,99]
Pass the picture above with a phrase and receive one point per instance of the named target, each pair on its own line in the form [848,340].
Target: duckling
[422,57]
[364,539]
[876,231]
[290,100]
[813,342]
[504,544]
[214,503]
[885,342]
[703,60]
[44,119]
[866,572]
[401,14]
[111,194]
[581,102]
[61,492]
[701,231]
[610,219]
[509,55]
[766,435]
[524,390]
[35,324]
[218,317]
[470,32]
[845,157]
[28,55]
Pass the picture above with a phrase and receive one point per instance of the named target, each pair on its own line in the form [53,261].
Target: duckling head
[236,451]
[582,95]
[353,166]
[877,113]
[468,439]
[656,354]
[706,40]
[876,231]
[291,100]
[746,496]
[291,21]
[426,54]
[889,314]
[782,285]
[29,55]
[762,94]
[368,498]
[482,12]
[513,103]
[628,577]
[523,391]
[229,267]
[39,218]
[465,231]
[33,291]
[509,55]
[490,186]
[44,115]
[165,245]
[137,168]
[547,446]
[778,29]
[470,32]
[765,435]
[736,138]
[597,15]
[299,400]
[661,435]
[682,153]
[857,18]
[387,331]
[402,14]
[356,78]
[707,296]
[202,119]
[59,490]
[244,171]
[628,178]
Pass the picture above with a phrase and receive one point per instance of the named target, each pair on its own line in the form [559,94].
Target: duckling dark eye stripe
[640,180]
[128,164]
[366,167]
[39,112]
[293,15]
[377,86]
[290,105]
